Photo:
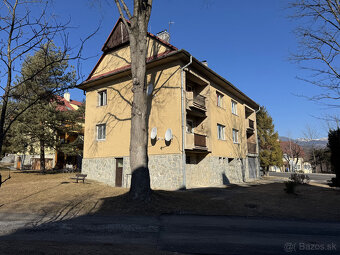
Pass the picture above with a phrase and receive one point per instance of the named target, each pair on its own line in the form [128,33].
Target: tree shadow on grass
[119,219]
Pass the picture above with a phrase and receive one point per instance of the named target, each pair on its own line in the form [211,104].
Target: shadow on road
[168,223]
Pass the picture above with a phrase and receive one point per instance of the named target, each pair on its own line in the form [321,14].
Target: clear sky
[248,42]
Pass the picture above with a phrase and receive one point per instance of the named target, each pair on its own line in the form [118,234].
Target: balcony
[196,102]
[250,126]
[196,142]
[251,148]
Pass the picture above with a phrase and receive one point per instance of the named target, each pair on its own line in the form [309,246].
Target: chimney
[164,35]
[67,96]
[204,62]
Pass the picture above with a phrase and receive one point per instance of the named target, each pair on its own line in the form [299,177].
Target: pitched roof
[64,105]
[171,52]
[119,36]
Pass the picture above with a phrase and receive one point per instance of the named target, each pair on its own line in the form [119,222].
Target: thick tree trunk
[140,180]
[42,156]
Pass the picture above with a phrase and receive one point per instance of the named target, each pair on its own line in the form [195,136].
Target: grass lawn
[56,195]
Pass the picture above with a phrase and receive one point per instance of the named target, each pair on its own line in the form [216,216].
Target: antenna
[168,135]
[153,134]
[170,23]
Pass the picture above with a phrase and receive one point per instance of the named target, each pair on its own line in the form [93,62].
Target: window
[220,132]
[235,136]
[101,131]
[190,126]
[102,98]
[219,99]
[233,107]
[189,88]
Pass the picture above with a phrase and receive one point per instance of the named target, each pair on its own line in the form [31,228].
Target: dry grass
[58,196]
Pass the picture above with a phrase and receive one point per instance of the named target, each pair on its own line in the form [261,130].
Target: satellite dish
[168,135]
[153,133]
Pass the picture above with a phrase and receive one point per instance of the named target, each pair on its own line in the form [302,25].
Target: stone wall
[213,172]
[100,169]
[166,172]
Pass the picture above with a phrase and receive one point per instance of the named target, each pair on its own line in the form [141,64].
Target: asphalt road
[320,178]
[185,234]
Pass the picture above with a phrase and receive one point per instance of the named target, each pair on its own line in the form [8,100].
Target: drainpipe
[257,145]
[183,118]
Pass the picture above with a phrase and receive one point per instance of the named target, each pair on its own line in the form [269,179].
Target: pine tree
[334,147]
[37,128]
[270,151]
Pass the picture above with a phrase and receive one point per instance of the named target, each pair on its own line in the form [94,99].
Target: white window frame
[101,134]
[102,97]
[235,135]
[219,98]
[220,132]
[233,107]
[192,126]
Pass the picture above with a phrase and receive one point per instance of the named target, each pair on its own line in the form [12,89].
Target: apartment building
[211,123]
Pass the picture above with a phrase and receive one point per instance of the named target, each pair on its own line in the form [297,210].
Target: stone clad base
[166,171]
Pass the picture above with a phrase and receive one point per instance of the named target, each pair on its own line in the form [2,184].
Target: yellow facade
[165,113]
[207,103]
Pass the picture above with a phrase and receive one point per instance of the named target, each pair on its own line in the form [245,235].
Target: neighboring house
[53,158]
[293,159]
[213,123]
[296,166]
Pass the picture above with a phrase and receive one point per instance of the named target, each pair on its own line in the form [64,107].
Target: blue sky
[247,42]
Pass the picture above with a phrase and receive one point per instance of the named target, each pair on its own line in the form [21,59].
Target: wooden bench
[80,177]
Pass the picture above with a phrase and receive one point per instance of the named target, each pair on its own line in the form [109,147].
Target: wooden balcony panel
[200,140]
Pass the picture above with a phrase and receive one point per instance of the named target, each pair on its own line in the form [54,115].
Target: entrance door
[252,167]
[119,172]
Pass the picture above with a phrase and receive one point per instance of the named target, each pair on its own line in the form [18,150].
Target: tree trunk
[42,156]
[140,180]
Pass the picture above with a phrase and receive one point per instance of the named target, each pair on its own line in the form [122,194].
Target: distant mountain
[319,143]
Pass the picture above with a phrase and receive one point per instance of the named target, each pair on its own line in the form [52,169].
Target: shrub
[299,178]
[334,182]
[290,187]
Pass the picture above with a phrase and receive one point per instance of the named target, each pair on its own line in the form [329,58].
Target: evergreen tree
[41,123]
[334,147]
[270,151]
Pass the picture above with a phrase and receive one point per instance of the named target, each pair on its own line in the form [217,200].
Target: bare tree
[23,33]
[311,134]
[319,46]
[292,152]
[137,25]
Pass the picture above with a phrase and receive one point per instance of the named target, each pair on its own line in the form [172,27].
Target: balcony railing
[200,140]
[251,148]
[197,101]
